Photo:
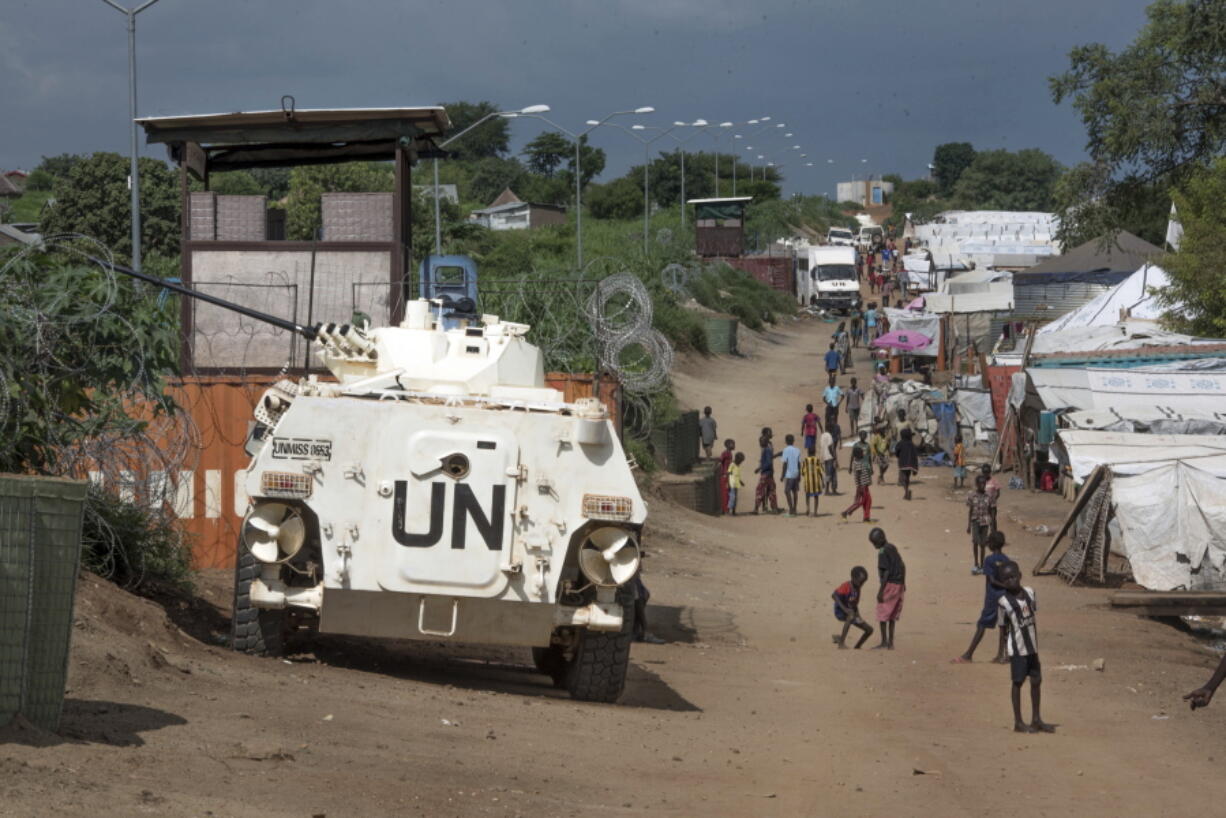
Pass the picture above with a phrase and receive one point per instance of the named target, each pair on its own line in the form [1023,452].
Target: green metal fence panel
[721,334]
[40,553]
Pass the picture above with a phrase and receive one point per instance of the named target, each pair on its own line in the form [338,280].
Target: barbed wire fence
[597,321]
[138,459]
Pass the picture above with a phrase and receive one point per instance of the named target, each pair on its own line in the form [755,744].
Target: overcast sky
[879,80]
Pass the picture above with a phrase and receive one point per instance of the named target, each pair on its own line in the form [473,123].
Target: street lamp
[592,124]
[438,230]
[135,171]
[698,124]
[716,135]
[647,143]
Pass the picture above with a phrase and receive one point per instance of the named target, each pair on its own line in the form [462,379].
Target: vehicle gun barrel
[310,333]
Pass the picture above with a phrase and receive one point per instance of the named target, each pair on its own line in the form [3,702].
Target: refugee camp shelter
[1061,284]
[719,225]
[360,262]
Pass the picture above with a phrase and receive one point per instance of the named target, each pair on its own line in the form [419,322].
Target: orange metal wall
[221,409]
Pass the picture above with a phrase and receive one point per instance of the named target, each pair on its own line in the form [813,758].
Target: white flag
[1174,230]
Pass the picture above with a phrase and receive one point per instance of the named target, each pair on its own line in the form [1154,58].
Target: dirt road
[746,711]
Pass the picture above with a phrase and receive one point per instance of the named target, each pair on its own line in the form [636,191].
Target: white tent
[1132,294]
[1133,393]
[1169,497]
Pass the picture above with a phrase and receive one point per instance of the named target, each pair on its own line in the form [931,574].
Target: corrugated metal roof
[720,199]
[432,120]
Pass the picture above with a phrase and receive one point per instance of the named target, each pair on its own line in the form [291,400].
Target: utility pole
[134,172]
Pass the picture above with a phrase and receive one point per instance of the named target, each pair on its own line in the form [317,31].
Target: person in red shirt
[810,427]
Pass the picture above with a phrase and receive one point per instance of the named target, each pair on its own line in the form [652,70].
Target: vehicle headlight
[607,507]
[609,557]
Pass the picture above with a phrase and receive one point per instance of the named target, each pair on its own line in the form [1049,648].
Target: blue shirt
[991,564]
[791,462]
[832,395]
[870,316]
[832,359]
[767,464]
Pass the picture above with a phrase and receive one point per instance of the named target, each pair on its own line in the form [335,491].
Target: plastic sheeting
[925,323]
[1130,453]
[1172,521]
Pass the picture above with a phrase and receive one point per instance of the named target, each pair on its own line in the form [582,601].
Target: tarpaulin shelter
[1168,497]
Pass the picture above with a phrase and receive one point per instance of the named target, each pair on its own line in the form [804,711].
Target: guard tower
[719,226]
[233,249]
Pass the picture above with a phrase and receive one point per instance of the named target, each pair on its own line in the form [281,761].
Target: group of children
[1007,604]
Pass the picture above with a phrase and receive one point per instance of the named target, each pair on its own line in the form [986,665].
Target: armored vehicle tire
[598,671]
[256,631]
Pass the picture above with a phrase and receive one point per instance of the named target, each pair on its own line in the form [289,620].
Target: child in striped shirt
[811,476]
[1017,611]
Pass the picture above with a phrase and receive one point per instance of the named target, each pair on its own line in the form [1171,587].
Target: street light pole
[698,124]
[647,143]
[438,230]
[578,137]
[134,172]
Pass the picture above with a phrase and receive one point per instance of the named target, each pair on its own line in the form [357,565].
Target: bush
[132,545]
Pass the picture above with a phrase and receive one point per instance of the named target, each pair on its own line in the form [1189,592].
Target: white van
[831,282]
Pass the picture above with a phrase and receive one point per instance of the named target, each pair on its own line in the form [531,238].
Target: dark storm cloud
[882,81]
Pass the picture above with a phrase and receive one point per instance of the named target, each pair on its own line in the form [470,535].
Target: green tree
[1003,180]
[59,166]
[273,182]
[492,139]
[1154,112]
[1196,299]
[40,180]
[547,152]
[235,183]
[591,162]
[949,161]
[620,199]
[492,175]
[93,199]
[76,346]
[308,183]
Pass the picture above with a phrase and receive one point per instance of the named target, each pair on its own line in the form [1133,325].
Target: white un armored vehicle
[439,490]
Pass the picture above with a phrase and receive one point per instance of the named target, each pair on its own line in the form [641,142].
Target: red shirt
[809,423]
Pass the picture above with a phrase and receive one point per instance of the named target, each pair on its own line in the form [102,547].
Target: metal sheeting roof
[1123,254]
[721,199]
[1131,294]
[301,125]
[1196,393]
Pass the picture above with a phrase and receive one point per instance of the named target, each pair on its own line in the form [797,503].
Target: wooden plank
[1087,491]
[195,160]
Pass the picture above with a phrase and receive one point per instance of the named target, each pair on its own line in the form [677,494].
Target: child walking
[810,425]
[721,470]
[908,462]
[707,431]
[993,590]
[811,476]
[863,470]
[765,492]
[959,461]
[847,608]
[790,460]
[1017,610]
[735,482]
[978,521]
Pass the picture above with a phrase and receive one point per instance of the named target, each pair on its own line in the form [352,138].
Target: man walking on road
[832,396]
[892,572]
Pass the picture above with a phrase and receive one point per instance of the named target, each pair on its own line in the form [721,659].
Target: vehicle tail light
[606,507]
[285,484]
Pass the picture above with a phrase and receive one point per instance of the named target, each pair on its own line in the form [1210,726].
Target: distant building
[12,184]
[719,225]
[509,212]
[865,192]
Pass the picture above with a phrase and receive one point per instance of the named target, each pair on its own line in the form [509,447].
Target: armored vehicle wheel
[257,631]
[552,662]
[598,671]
